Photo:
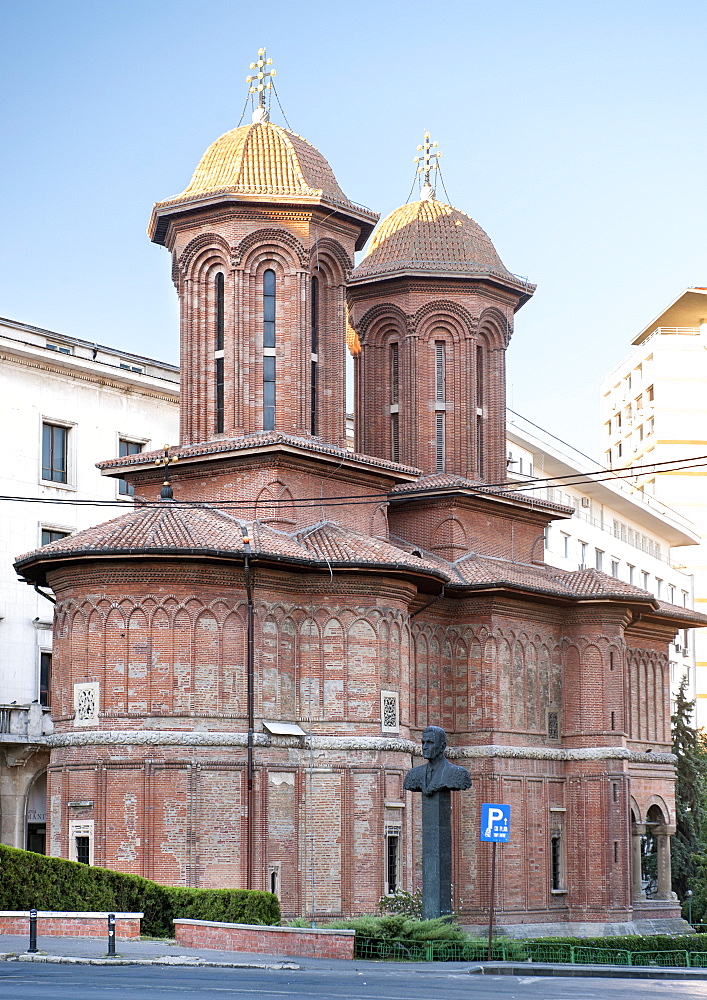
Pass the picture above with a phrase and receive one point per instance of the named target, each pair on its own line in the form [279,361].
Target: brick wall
[55,923]
[310,943]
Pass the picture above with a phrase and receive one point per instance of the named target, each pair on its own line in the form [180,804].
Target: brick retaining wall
[307,942]
[67,923]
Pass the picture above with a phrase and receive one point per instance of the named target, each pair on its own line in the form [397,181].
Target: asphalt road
[62,982]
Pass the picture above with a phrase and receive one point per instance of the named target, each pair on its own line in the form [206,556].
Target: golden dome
[430,236]
[261,162]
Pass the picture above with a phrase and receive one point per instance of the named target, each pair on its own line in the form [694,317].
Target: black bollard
[111,935]
[32,932]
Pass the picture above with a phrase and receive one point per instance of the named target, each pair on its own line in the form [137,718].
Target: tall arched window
[269,350]
[218,353]
[314,324]
[394,401]
[480,376]
[440,404]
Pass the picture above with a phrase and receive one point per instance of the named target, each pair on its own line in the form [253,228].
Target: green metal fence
[510,950]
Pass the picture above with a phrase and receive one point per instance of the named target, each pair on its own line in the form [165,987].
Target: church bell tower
[262,242]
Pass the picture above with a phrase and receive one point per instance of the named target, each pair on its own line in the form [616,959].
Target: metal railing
[512,950]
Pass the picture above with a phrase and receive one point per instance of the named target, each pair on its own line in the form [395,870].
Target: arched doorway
[36,815]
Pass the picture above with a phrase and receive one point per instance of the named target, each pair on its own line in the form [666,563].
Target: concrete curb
[166,960]
[591,971]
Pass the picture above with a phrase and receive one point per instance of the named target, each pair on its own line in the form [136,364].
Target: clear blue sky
[574,133]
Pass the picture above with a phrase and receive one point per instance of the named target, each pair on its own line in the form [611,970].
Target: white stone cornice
[153,737]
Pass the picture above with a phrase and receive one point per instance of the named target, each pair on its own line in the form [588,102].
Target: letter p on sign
[495,822]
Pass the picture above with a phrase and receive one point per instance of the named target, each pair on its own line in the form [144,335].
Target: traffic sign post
[495,829]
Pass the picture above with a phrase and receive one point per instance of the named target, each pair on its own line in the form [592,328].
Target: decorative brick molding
[68,923]
[308,942]
[148,737]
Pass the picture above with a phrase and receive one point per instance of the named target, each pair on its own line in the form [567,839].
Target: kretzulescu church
[244,662]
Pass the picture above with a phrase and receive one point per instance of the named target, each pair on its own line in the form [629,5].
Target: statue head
[434,740]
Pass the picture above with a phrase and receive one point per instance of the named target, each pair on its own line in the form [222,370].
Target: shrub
[32,880]
[407,903]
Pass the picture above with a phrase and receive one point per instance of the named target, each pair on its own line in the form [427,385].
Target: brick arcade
[242,670]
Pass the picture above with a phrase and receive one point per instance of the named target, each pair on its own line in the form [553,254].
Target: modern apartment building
[654,414]
[67,404]
[616,528]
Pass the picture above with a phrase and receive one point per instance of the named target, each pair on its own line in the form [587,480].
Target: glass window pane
[268,335]
[269,369]
[269,282]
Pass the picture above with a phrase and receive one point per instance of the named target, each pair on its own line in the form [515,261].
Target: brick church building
[244,662]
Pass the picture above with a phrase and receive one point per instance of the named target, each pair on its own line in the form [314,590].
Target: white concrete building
[654,410]
[67,404]
[615,528]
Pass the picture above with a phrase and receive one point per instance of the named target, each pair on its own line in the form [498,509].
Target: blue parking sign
[495,822]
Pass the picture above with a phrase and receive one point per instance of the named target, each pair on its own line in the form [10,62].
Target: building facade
[654,419]
[245,661]
[68,404]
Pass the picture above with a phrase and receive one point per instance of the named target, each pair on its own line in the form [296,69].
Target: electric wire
[570,479]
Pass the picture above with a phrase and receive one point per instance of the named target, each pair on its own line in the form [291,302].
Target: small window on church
[553,725]
[392,859]
[394,373]
[390,712]
[439,441]
[440,371]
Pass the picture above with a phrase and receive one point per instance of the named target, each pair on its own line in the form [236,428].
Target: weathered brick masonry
[385,596]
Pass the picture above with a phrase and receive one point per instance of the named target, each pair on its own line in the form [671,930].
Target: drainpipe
[250,709]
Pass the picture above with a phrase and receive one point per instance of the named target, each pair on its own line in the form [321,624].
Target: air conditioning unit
[586,502]
[678,647]
[686,651]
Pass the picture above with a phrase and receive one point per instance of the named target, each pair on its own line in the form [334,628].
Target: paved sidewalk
[153,951]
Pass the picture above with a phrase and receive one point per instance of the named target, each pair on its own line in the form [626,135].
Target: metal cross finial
[166,459]
[260,80]
[428,158]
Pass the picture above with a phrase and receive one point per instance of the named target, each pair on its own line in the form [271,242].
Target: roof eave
[163,212]
[524,291]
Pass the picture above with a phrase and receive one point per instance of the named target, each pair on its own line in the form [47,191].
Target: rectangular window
[268,393]
[81,841]
[565,545]
[557,849]
[553,725]
[582,555]
[60,348]
[439,442]
[50,535]
[45,677]
[649,393]
[615,567]
[125,448]
[55,453]
[394,373]
[631,571]
[394,438]
[658,587]
[440,372]
[598,558]
[645,579]
[392,859]
[557,860]
[390,712]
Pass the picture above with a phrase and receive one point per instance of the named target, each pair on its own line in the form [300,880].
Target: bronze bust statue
[438,774]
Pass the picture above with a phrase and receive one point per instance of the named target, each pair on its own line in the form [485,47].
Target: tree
[688,855]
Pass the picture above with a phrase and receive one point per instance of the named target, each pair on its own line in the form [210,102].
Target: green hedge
[628,942]
[32,880]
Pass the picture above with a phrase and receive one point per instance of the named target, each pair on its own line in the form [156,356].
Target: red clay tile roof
[169,529]
[263,439]
[443,481]
[431,236]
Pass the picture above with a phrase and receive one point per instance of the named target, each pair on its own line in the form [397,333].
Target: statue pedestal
[436,855]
